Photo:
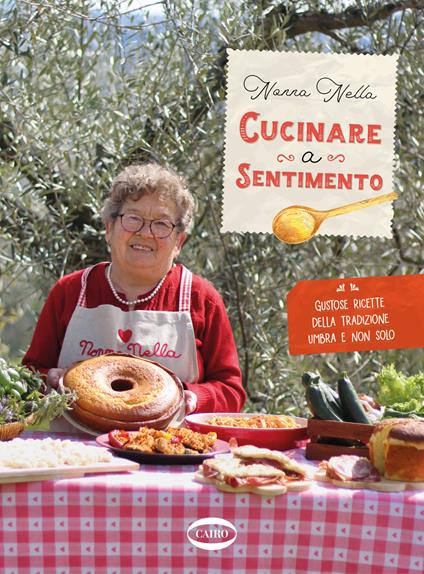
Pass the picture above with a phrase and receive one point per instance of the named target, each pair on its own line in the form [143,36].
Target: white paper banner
[306,129]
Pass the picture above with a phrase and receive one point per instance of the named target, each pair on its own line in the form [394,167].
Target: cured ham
[236,481]
[350,468]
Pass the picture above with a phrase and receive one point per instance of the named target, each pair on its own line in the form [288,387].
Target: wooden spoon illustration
[298,223]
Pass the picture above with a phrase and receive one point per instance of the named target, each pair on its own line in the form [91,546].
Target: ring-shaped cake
[123,391]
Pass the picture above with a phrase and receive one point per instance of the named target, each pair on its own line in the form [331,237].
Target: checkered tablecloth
[136,523]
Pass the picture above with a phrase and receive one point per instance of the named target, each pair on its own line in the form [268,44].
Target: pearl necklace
[136,301]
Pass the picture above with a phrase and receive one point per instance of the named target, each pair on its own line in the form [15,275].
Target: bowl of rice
[277,432]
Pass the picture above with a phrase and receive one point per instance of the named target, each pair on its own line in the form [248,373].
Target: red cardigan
[219,388]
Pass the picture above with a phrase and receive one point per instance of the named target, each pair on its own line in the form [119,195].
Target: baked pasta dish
[255,422]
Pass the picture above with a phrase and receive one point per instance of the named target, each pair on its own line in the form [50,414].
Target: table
[136,523]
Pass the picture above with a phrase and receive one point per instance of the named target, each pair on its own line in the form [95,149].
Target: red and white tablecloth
[136,523]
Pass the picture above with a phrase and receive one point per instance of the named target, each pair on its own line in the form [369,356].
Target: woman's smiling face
[135,252]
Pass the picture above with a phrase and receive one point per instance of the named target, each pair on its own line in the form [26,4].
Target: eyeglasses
[160,228]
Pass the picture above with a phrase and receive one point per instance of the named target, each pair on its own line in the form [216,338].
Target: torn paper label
[313,130]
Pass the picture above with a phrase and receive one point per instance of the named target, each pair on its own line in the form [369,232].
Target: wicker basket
[11,430]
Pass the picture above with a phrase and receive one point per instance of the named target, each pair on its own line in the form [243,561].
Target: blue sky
[154,7]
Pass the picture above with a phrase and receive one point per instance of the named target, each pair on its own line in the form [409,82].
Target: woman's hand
[53,377]
[190,402]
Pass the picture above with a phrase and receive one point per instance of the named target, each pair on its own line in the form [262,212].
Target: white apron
[166,337]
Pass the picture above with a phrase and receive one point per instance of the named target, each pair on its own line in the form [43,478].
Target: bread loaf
[397,449]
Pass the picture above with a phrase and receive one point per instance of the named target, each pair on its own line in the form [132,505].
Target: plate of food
[171,446]
[278,432]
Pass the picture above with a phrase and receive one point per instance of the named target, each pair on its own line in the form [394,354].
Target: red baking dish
[275,439]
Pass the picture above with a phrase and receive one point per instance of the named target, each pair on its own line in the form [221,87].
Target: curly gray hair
[138,180]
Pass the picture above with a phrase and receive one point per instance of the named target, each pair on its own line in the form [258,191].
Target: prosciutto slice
[351,468]
[209,472]
[237,481]
[265,461]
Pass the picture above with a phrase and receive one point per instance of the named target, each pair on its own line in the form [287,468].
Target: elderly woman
[142,302]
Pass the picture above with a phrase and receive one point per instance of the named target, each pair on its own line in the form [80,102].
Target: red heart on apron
[125,336]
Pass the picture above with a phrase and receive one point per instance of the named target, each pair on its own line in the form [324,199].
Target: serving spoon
[298,223]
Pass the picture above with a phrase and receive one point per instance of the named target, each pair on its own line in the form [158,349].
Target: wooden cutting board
[266,490]
[383,485]
[12,475]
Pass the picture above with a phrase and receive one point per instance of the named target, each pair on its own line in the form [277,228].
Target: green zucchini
[339,441]
[330,395]
[332,399]
[318,404]
[309,378]
[351,405]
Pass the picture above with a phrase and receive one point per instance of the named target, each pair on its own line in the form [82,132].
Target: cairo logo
[212,533]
